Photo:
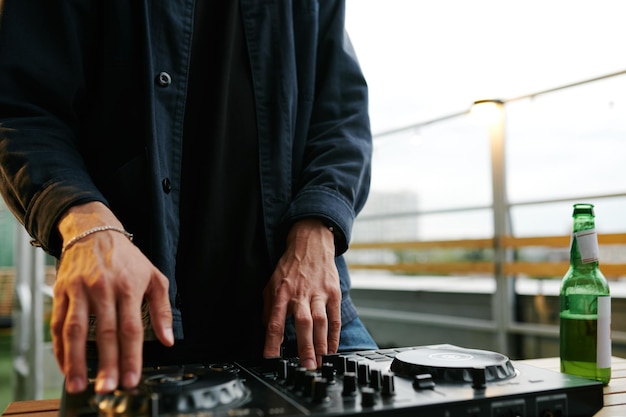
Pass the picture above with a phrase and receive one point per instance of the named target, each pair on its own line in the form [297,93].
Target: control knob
[349,384]
[389,385]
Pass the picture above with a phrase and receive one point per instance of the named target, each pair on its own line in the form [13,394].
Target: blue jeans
[354,336]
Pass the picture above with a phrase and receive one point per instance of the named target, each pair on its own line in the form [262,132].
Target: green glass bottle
[585,334]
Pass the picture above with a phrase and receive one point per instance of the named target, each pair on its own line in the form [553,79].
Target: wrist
[308,228]
[83,217]
[69,243]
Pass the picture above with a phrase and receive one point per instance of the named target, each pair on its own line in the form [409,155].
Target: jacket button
[167,185]
[164,79]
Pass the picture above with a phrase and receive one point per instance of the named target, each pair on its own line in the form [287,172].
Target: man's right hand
[106,275]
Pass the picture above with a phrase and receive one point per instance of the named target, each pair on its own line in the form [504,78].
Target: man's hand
[106,275]
[305,284]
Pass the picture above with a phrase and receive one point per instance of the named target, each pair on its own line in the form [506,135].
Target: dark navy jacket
[92,98]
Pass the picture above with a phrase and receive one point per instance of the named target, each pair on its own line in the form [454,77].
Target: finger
[107,342]
[320,328]
[158,301]
[131,340]
[333,309]
[59,311]
[74,335]
[304,335]
[275,330]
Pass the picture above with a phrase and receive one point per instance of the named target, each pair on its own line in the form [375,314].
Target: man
[229,140]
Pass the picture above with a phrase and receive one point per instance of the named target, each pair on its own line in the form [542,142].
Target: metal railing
[28,319]
[511,268]
[503,243]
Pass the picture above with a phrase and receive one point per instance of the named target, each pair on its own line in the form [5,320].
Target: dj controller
[432,381]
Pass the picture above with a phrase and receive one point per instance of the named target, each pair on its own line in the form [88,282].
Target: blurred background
[465,235]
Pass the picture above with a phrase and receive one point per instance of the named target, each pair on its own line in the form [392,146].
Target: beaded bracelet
[93,230]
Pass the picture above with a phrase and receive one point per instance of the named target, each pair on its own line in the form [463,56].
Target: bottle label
[603,351]
[587,245]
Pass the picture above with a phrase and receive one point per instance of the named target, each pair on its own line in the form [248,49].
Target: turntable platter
[452,363]
[179,390]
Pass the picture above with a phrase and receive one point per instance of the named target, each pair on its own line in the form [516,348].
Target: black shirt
[222,261]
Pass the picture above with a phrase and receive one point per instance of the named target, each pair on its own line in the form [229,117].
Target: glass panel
[438,167]
[568,143]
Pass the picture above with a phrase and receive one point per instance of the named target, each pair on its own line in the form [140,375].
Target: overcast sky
[423,58]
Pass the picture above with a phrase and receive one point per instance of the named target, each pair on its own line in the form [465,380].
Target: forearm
[333,182]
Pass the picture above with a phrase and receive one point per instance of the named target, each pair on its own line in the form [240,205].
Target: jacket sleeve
[334,179]
[42,88]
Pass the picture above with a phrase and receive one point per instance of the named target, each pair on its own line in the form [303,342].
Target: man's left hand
[305,284]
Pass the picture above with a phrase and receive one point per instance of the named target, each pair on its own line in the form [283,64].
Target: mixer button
[299,379]
[363,373]
[349,384]
[307,389]
[351,365]
[368,397]
[376,379]
[281,371]
[330,357]
[389,387]
[479,378]
[291,374]
[376,357]
[320,390]
[423,381]
[328,372]
[337,360]
[341,364]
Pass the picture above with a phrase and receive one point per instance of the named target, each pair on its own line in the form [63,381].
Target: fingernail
[105,385]
[309,364]
[75,384]
[169,334]
[130,380]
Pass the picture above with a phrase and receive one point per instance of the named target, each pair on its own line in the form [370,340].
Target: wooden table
[614,394]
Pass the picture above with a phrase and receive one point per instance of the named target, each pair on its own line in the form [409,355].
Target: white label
[588,245]
[603,355]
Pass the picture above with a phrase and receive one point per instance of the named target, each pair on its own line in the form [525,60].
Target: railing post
[503,300]
[28,320]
